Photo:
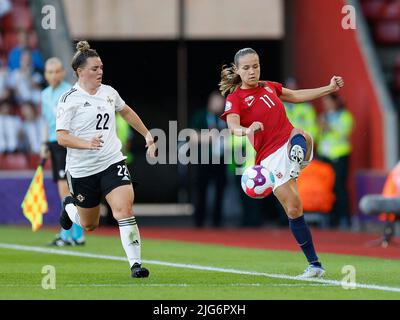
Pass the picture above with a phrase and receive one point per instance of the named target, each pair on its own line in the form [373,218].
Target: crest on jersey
[269,89]
[228,106]
[109,100]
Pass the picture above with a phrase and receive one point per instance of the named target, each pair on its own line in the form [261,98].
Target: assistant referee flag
[35,202]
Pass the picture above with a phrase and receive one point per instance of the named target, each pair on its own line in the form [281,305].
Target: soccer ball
[257,182]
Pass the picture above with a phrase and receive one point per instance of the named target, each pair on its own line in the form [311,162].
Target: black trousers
[206,174]
[340,212]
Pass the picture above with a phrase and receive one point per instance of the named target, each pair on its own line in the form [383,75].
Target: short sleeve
[231,106]
[119,102]
[65,113]
[276,86]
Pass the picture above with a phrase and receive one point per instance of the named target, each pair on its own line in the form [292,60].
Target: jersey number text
[100,118]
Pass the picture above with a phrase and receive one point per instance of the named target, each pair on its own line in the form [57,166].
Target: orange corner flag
[35,202]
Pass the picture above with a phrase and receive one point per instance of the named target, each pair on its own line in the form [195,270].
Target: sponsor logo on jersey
[80,198]
[125,178]
[228,106]
[249,100]
[87,104]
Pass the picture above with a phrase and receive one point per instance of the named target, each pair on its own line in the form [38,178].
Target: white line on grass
[72,285]
[192,266]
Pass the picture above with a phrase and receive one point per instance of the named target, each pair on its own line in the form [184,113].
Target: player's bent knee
[294,212]
[89,226]
[123,214]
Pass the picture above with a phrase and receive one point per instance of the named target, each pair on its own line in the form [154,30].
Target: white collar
[78,87]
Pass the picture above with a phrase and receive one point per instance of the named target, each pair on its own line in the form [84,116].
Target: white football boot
[296,157]
[312,272]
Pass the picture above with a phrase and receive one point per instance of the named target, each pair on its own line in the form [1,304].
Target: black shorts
[58,154]
[88,191]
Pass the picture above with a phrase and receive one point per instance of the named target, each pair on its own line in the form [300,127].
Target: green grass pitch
[101,278]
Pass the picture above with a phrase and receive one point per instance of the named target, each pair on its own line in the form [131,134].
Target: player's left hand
[151,148]
[337,82]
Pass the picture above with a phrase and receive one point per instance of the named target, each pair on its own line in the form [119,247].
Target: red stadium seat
[20,2]
[16,161]
[387,32]
[391,10]
[397,62]
[21,18]
[10,40]
[373,8]
[2,51]
[33,40]
[7,23]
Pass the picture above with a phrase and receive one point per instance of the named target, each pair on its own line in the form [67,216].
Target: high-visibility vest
[334,142]
[391,189]
[302,116]
[123,133]
[241,146]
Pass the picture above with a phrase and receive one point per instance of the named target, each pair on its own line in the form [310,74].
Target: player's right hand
[254,127]
[96,142]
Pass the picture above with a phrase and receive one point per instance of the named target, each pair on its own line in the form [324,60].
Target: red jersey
[261,104]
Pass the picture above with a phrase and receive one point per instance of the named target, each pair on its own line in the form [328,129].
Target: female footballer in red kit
[254,108]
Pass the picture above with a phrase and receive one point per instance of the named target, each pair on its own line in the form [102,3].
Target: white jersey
[85,116]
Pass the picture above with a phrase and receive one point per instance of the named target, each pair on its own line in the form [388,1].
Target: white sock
[130,239]
[73,213]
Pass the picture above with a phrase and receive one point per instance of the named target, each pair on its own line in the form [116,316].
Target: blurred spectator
[301,115]
[14,57]
[5,7]
[4,91]
[10,127]
[335,127]
[208,118]
[32,127]
[26,82]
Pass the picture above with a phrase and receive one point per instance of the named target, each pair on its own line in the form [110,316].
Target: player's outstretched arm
[296,96]
[136,123]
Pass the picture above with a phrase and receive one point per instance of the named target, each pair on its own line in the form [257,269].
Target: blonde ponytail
[230,80]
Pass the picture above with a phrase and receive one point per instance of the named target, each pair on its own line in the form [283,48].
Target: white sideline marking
[71,285]
[193,266]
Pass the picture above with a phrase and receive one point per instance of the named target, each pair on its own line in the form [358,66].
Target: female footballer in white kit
[95,165]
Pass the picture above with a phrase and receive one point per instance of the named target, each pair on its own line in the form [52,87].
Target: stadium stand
[18,20]
[383,17]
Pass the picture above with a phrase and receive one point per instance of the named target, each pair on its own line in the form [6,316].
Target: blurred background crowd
[171,73]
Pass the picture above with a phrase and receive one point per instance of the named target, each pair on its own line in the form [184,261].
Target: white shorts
[279,164]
